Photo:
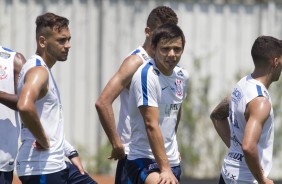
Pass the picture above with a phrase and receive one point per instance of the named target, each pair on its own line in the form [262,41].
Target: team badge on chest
[3,73]
[179,87]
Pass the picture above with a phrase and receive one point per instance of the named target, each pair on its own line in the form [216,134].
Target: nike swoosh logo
[164,88]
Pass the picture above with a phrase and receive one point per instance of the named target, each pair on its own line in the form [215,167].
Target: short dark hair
[167,31]
[264,49]
[50,20]
[161,15]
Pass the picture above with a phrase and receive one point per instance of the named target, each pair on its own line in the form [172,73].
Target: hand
[117,153]
[167,177]
[76,162]
[38,146]
[267,181]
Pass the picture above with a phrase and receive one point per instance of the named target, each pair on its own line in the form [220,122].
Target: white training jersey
[235,167]
[149,87]
[123,126]
[30,161]
[9,123]
[68,148]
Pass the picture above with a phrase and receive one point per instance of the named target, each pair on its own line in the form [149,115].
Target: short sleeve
[145,87]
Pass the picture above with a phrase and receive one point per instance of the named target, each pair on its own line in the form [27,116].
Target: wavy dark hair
[167,31]
[264,49]
[161,15]
[51,21]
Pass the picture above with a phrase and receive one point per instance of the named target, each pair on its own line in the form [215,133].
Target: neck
[264,78]
[46,60]
[147,47]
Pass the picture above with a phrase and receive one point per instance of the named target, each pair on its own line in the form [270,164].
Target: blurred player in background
[11,63]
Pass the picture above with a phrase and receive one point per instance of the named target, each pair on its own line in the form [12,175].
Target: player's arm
[151,120]
[104,107]
[219,117]
[35,87]
[10,100]
[257,112]
[73,156]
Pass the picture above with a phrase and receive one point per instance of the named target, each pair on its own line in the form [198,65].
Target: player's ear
[147,31]
[42,41]
[274,62]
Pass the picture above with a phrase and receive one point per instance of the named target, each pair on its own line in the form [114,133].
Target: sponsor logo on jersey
[5,55]
[236,96]
[180,73]
[179,87]
[3,73]
[235,141]
[171,107]
[236,156]
[230,175]
[146,57]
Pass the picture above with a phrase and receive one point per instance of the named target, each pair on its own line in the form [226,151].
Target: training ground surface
[107,179]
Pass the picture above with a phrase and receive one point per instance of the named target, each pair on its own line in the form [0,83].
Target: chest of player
[171,96]
[6,75]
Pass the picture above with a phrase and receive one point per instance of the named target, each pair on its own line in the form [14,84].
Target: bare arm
[219,117]
[73,156]
[76,161]
[256,114]
[104,107]
[151,120]
[35,87]
[10,100]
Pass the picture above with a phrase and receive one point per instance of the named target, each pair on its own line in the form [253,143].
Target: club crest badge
[3,73]
[179,87]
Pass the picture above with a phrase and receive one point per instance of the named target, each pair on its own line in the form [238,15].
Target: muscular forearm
[219,117]
[32,122]
[9,100]
[223,130]
[252,160]
[106,116]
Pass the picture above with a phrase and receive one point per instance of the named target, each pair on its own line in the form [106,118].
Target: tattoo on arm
[221,111]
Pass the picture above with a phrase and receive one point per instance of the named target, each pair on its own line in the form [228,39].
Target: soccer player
[156,93]
[41,155]
[250,133]
[119,85]
[11,63]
